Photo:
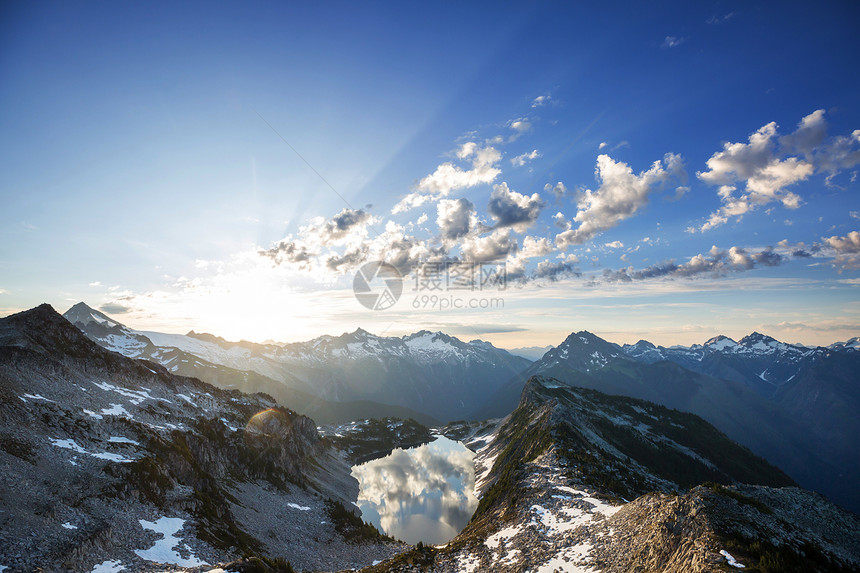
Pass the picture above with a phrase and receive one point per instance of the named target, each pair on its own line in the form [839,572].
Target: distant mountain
[431,374]
[801,416]
[577,480]
[110,463]
[531,352]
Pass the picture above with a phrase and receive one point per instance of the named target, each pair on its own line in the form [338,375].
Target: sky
[668,172]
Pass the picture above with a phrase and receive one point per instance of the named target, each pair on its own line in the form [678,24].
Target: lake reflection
[422,494]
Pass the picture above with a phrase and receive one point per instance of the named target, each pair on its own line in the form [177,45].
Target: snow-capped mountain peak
[720,342]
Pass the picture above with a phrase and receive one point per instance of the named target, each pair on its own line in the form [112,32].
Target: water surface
[421,494]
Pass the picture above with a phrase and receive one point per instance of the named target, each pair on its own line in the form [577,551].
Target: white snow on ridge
[234,357]
[722,344]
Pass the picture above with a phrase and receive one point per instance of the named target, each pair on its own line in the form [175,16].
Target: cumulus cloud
[511,209]
[288,251]
[341,225]
[846,250]
[449,177]
[488,248]
[556,270]
[767,164]
[532,247]
[621,195]
[521,160]
[455,218]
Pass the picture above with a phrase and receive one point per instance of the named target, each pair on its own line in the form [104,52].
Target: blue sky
[146,165]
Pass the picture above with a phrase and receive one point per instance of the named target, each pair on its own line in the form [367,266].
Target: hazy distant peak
[81,313]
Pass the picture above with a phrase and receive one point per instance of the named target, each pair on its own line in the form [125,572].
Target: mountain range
[111,463]
[429,376]
[102,456]
[793,404]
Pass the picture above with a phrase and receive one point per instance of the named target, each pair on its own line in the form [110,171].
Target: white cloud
[520,125]
[846,249]
[493,247]
[96,284]
[455,218]
[422,219]
[449,177]
[620,196]
[521,160]
[768,164]
[541,101]
[614,245]
[602,145]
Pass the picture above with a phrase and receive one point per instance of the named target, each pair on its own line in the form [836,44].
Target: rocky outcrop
[103,458]
[575,480]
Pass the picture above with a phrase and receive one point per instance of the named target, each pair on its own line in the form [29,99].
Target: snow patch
[68,525]
[188,399]
[116,410]
[495,539]
[108,567]
[731,560]
[164,550]
[122,440]
[299,507]
[72,445]
[36,397]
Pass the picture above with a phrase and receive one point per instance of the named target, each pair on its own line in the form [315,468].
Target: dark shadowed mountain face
[100,455]
[553,474]
[805,422]
[426,375]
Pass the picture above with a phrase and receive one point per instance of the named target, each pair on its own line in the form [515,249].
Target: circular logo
[377,285]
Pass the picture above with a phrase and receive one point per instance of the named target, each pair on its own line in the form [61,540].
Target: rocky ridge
[555,471]
[105,459]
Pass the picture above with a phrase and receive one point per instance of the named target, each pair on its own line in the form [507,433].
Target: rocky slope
[110,461]
[558,474]
[806,424]
[425,373]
